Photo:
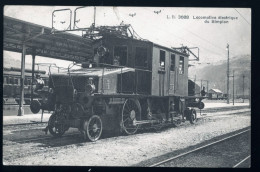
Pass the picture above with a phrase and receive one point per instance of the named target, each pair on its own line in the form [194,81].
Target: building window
[25,81]
[11,80]
[46,82]
[5,80]
[172,62]
[29,81]
[120,55]
[16,81]
[181,65]
[141,57]
[162,60]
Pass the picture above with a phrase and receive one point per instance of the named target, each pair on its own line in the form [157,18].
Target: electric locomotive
[125,85]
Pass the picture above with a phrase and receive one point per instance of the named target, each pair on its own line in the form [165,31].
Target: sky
[168,26]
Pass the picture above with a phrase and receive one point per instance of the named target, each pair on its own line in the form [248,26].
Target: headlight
[75,92]
[101,51]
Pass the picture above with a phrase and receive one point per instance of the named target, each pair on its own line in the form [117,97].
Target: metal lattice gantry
[36,40]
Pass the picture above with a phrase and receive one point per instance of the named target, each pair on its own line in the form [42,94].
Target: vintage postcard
[126,86]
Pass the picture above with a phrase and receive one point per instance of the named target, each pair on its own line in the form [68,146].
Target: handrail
[118,66]
[102,91]
[73,64]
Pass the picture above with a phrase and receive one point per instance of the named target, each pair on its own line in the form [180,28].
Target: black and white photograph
[126,86]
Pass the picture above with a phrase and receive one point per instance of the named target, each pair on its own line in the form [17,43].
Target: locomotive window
[162,60]
[181,65]
[141,57]
[172,62]
[95,51]
[120,55]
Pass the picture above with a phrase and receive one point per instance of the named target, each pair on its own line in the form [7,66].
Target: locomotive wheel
[130,113]
[93,128]
[193,116]
[56,126]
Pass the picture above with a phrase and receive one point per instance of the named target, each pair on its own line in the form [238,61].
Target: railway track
[49,141]
[197,150]
[27,123]
[41,138]
[46,138]
[198,112]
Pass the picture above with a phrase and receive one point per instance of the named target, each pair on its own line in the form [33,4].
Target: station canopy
[40,41]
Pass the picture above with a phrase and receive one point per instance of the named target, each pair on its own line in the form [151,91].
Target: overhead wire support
[242,16]
[227,73]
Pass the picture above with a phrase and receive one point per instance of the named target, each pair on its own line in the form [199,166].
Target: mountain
[216,74]
[15,61]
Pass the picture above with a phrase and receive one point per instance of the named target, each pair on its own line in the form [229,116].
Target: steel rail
[44,138]
[28,123]
[199,148]
[235,166]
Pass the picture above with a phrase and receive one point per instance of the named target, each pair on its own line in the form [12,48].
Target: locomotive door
[172,75]
[161,82]
[161,72]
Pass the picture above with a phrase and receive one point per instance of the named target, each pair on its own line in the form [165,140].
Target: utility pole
[227,74]
[21,107]
[207,87]
[233,87]
[33,70]
[200,84]
[243,88]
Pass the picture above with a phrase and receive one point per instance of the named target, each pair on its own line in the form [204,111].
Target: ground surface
[227,153]
[114,150]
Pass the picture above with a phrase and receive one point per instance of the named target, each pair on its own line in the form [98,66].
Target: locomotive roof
[148,42]
[171,50]
[98,71]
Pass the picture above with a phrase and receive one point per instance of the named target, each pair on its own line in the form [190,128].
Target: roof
[98,71]
[41,41]
[215,90]
[170,49]
[16,73]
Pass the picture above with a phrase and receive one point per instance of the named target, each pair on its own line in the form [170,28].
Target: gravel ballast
[129,150]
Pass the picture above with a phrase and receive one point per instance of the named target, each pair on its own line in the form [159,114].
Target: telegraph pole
[233,87]
[227,74]
[243,88]
[207,87]
[200,84]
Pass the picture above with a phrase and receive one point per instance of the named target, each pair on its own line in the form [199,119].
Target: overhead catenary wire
[200,38]
[189,41]
[171,33]
[242,16]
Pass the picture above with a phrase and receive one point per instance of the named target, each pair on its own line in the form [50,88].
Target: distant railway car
[11,84]
[194,89]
